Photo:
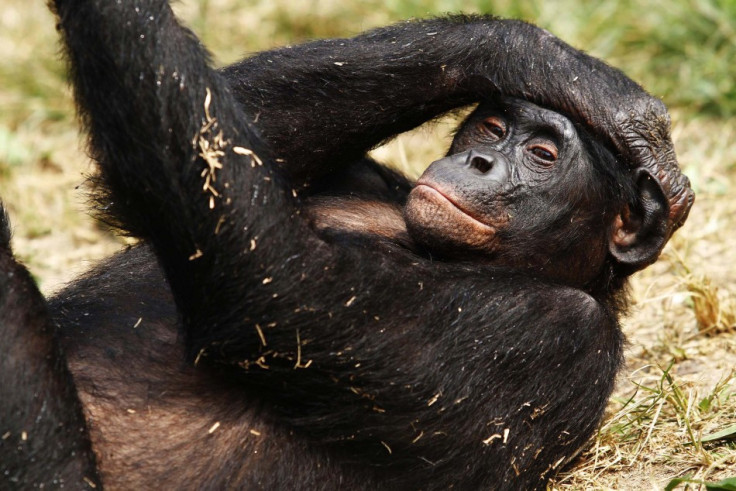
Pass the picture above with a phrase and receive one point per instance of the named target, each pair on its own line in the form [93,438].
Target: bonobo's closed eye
[494,127]
[545,152]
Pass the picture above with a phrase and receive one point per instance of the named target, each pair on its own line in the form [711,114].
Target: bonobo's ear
[639,233]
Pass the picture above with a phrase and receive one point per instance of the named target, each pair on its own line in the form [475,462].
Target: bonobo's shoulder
[128,284]
[575,304]
[123,272]
[568,295]
[552,301]
[567,316]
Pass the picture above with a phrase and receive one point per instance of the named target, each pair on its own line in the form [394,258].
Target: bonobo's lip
[432,190]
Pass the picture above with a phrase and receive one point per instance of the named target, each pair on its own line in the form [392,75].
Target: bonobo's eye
[543,152]
[494,127]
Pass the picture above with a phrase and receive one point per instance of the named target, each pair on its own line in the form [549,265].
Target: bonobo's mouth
[438,198]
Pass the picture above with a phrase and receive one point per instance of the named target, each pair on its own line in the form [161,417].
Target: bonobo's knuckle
[643,107]
[657,112]
[656,106]
[644,133]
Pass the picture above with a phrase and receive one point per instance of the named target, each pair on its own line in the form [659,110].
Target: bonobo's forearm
[329,101]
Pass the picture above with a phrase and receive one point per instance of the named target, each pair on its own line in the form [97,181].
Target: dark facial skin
[515,174]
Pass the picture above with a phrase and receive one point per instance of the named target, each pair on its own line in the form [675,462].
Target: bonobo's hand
[638,126]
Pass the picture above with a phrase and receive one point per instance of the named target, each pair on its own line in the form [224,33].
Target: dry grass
[679,384]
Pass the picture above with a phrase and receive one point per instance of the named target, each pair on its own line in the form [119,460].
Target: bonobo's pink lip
[432,192]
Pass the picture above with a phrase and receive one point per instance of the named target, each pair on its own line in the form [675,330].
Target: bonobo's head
[524,187]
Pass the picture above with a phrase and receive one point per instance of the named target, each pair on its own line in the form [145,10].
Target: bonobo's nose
[482,162]
[479,166]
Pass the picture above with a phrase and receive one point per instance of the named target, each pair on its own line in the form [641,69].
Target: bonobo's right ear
[639,232]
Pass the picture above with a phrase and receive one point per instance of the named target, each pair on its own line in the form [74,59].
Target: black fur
[44,440]
[300,357]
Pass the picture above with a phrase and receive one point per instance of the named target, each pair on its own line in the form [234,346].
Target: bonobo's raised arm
[170,141]
[328,102]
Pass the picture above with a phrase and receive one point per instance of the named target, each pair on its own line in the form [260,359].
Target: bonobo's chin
[439,225]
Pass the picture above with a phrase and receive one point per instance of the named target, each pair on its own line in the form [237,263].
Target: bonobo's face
[519,187]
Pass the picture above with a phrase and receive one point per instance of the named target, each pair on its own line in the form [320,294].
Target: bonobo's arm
[44,437]
[325,103]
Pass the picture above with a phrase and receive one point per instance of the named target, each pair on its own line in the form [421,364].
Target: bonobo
[298,315]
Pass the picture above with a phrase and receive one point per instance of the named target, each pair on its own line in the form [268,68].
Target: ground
[679,385]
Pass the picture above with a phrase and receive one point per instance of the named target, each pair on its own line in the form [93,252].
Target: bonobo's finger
[646,143]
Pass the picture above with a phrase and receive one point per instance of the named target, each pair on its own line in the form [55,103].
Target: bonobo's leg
[326,103]
[475,382]
[44,440]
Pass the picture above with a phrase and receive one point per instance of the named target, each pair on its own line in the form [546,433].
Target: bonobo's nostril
[482,163]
